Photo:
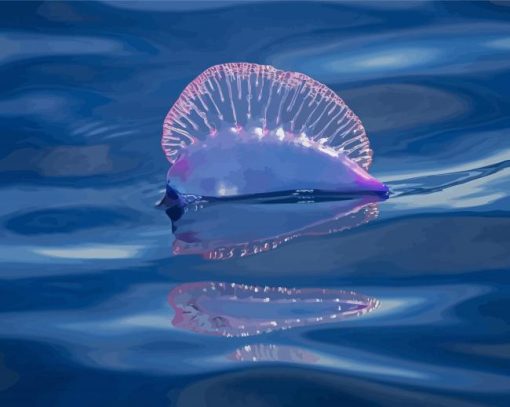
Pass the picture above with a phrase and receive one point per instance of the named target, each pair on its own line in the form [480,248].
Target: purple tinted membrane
[229,309]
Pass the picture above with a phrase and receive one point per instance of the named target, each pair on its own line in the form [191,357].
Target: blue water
[86,260]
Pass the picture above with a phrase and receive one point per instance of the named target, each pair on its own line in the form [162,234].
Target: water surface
[87,263]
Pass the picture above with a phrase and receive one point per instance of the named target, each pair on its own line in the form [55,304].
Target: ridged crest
[245,95]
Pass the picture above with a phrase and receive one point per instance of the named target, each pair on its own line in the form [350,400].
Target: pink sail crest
[265,102]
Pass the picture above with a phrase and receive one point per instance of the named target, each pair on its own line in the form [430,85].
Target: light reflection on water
[86,260]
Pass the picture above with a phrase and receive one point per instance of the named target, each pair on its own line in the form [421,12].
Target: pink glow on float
[266,108]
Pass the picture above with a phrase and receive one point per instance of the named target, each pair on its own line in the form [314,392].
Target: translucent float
[243,129]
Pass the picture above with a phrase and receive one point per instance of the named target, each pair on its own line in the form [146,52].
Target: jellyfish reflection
[223,230]
[261,352]
[229,309]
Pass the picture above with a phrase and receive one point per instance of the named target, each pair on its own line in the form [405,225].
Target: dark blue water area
[87,263]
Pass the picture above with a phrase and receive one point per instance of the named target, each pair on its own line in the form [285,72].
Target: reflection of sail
[219,231]
[230,309]
[261,352]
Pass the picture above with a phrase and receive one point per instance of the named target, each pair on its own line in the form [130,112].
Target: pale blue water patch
[87,263]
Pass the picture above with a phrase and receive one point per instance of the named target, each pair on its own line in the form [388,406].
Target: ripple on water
[399,107]
[418,51]
[68,219]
